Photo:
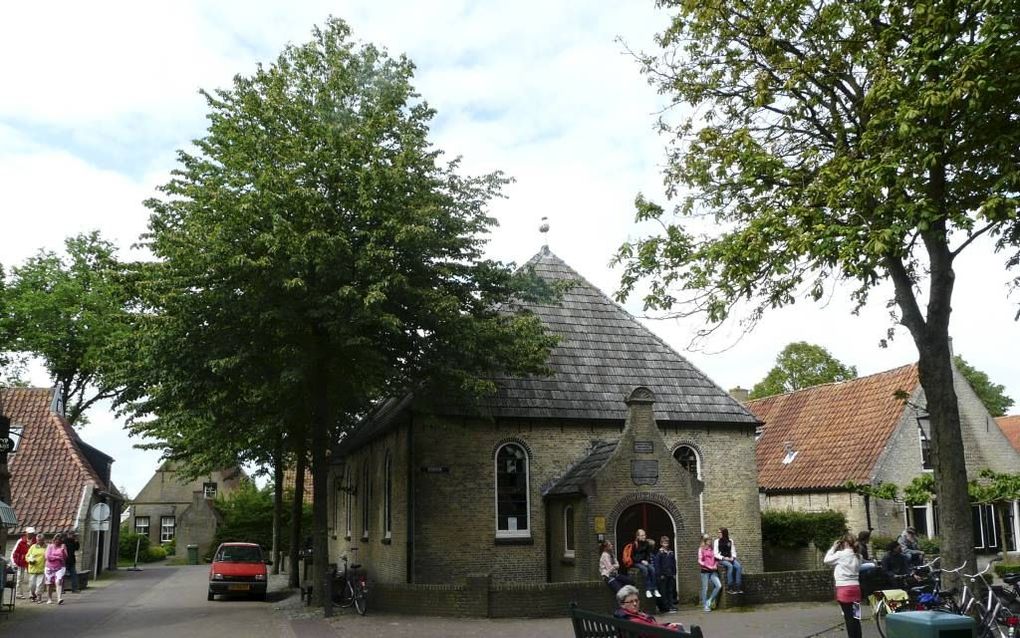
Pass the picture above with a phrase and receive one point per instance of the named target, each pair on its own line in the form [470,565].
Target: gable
[838,430]
[51,470]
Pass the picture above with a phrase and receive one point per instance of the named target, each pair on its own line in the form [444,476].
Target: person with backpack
[610,569]
[640,554]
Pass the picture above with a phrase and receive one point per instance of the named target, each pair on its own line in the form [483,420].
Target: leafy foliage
[992,395]
[920,490]
[823,142]
[802,365]
[792,528]
[72,312]
[147,552]
[887,491]
[248,516]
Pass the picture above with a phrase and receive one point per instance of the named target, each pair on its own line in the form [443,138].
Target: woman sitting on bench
[630,609]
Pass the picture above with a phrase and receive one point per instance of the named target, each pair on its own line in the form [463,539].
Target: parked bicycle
[993,616]
[906,597]
[350,587]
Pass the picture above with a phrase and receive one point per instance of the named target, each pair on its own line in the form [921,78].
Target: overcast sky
[97,97]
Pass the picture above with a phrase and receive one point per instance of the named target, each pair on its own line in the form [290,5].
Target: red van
[238,568]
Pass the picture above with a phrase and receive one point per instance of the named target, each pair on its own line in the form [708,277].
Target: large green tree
[993,395]
[316,253]
[865,142]
[802,365]
[72,311]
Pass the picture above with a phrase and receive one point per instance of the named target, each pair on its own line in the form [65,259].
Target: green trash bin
[192,554]
[929,624]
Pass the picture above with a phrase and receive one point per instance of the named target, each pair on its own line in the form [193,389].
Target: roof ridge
[897,369]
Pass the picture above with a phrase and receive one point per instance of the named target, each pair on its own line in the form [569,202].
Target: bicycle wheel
[880,613]
[343,593]
[360,598]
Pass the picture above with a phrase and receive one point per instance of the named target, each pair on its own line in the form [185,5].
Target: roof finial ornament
[544,229]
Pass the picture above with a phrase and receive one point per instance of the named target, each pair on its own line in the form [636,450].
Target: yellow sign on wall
[600,524]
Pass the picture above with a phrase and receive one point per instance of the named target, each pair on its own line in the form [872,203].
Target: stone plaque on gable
[644,472]
[644,447]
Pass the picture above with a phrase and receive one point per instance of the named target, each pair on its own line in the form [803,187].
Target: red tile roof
[49,471]
[1010,426]
[838,430]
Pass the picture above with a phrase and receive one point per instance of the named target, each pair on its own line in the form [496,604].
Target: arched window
[388,497]
[568,531]
[513,507]
[688,459]
[366,496]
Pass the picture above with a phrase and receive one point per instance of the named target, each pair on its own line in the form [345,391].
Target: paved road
[159,601]
[171,601]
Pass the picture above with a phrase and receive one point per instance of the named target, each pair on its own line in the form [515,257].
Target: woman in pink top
[53,577]
[707,563]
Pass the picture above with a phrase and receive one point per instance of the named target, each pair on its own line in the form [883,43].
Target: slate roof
[1010,426]
[837,429]
[603,354]
[574,479]
[50,468]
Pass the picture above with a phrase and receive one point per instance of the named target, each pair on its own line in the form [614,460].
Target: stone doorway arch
[655,519]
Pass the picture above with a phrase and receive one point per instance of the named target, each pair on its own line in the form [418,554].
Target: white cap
[30,530]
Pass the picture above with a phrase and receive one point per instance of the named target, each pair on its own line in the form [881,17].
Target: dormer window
[790,454]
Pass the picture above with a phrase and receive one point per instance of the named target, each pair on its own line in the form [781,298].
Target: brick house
[173,508]
[57,478]
[817,439]
[519,488]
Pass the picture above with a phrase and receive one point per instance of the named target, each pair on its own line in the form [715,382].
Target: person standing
[846,563]
[708,565]
[643,553]
[71,543]
[665,568]
[610,568]
[53,575]
[18,559]
[726,553]
[36,559]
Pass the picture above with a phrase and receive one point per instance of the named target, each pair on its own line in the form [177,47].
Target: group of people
[850,559]
[43,564]
[658,568]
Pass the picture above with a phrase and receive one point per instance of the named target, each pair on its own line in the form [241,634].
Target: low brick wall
[815,585]
[477,596]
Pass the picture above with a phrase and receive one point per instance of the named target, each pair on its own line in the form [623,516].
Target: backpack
[628,556]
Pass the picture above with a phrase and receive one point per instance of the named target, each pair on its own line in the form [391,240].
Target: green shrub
[790,528]
[170,547]
[128,541]
[154,553]
[1006,568]
[880,543]
[929,545]
[248,517]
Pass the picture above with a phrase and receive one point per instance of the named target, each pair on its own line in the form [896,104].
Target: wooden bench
[591,625]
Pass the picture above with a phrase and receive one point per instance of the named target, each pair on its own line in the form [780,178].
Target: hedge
[791,528]
[1007,568]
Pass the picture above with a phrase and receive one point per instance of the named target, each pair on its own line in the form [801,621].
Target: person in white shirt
[726,553]
[846,563]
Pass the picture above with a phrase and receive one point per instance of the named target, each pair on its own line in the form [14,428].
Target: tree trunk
[930,332]
[320,440]
[278,471]
[296,507]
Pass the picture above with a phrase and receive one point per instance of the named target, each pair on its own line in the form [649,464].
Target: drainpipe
[867,510]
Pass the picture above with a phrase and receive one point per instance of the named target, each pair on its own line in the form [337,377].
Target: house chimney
[739,394]
[640,415]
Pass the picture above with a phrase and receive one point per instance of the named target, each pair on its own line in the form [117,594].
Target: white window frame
[209,489]
[164,536]
[366,500]
[147,526]
[697,459]
[388,497]
[921,438]
[568,538]
[517,533]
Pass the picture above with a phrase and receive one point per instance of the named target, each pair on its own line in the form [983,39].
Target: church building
[522,486]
